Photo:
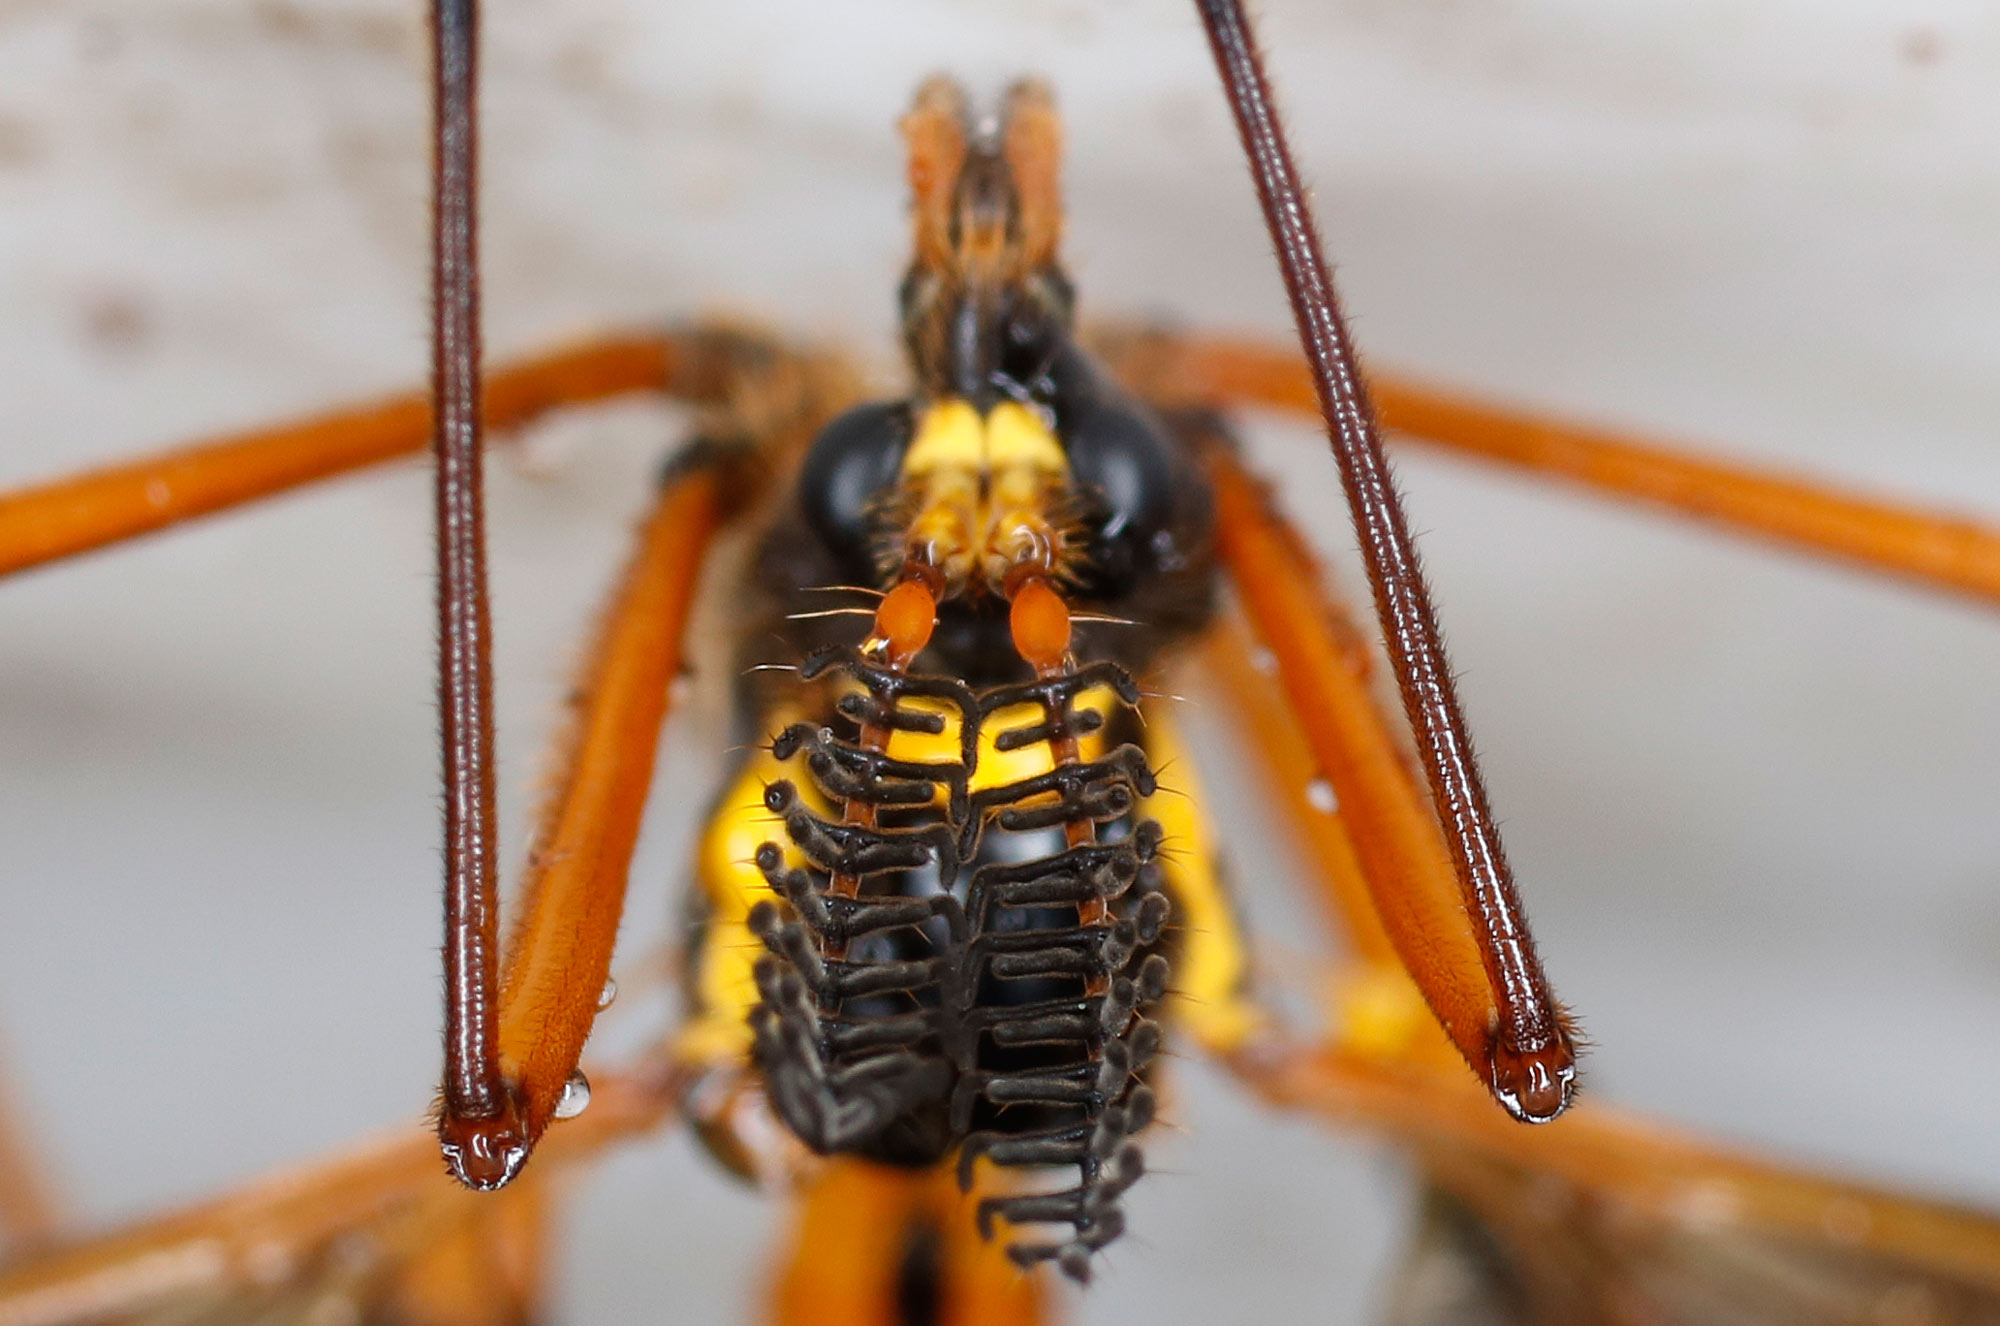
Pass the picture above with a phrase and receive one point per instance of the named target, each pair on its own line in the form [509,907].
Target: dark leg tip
[1533,1085]
[485,1153]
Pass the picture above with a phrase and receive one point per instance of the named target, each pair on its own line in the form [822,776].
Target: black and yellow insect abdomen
[957,970]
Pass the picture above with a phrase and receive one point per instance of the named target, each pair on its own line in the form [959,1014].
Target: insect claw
[485,1154]
[1534,1086]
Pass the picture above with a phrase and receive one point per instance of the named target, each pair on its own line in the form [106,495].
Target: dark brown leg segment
[559,953]
[478,1125]
[1533,1062]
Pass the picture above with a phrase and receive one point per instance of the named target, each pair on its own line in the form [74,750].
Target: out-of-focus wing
[1500,1244]
[378,1235]
[1604,1218]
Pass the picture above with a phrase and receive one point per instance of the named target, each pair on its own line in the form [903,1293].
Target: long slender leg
[1241,675]
[1404,863]
[575,889]
[1382,1079]
[1938,549]
[1532,1063]
[1381,1009]
[73,515]
[560,955]
[485,1140]
[240,1243]
[556,967]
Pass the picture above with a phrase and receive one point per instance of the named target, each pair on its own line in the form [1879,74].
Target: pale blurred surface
[1750,799]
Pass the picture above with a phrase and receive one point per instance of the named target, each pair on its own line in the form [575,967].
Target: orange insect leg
[74,515]
[1403,858]
[560,955]
[1940,549]
[233,1243]
[1643,1166]
[1288,766]
[1650,1169]
[851,1249]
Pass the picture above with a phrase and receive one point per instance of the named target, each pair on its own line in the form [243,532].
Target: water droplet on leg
[1321,797]
[608,995]
[575,1098]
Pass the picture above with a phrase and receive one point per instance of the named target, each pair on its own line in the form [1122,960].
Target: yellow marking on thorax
[982,485]
[1017,439]
[952,435]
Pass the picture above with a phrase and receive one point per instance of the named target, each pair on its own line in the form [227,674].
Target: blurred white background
[1751,799]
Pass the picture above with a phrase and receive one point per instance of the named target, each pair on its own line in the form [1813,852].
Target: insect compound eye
[1124,464]
[851,465]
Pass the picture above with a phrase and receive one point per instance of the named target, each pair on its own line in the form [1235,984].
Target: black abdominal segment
[959,1002]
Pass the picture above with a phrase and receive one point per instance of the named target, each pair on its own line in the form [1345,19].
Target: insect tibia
[966,946]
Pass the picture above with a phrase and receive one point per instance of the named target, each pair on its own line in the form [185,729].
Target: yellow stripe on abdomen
[1211,974]
[725,989]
